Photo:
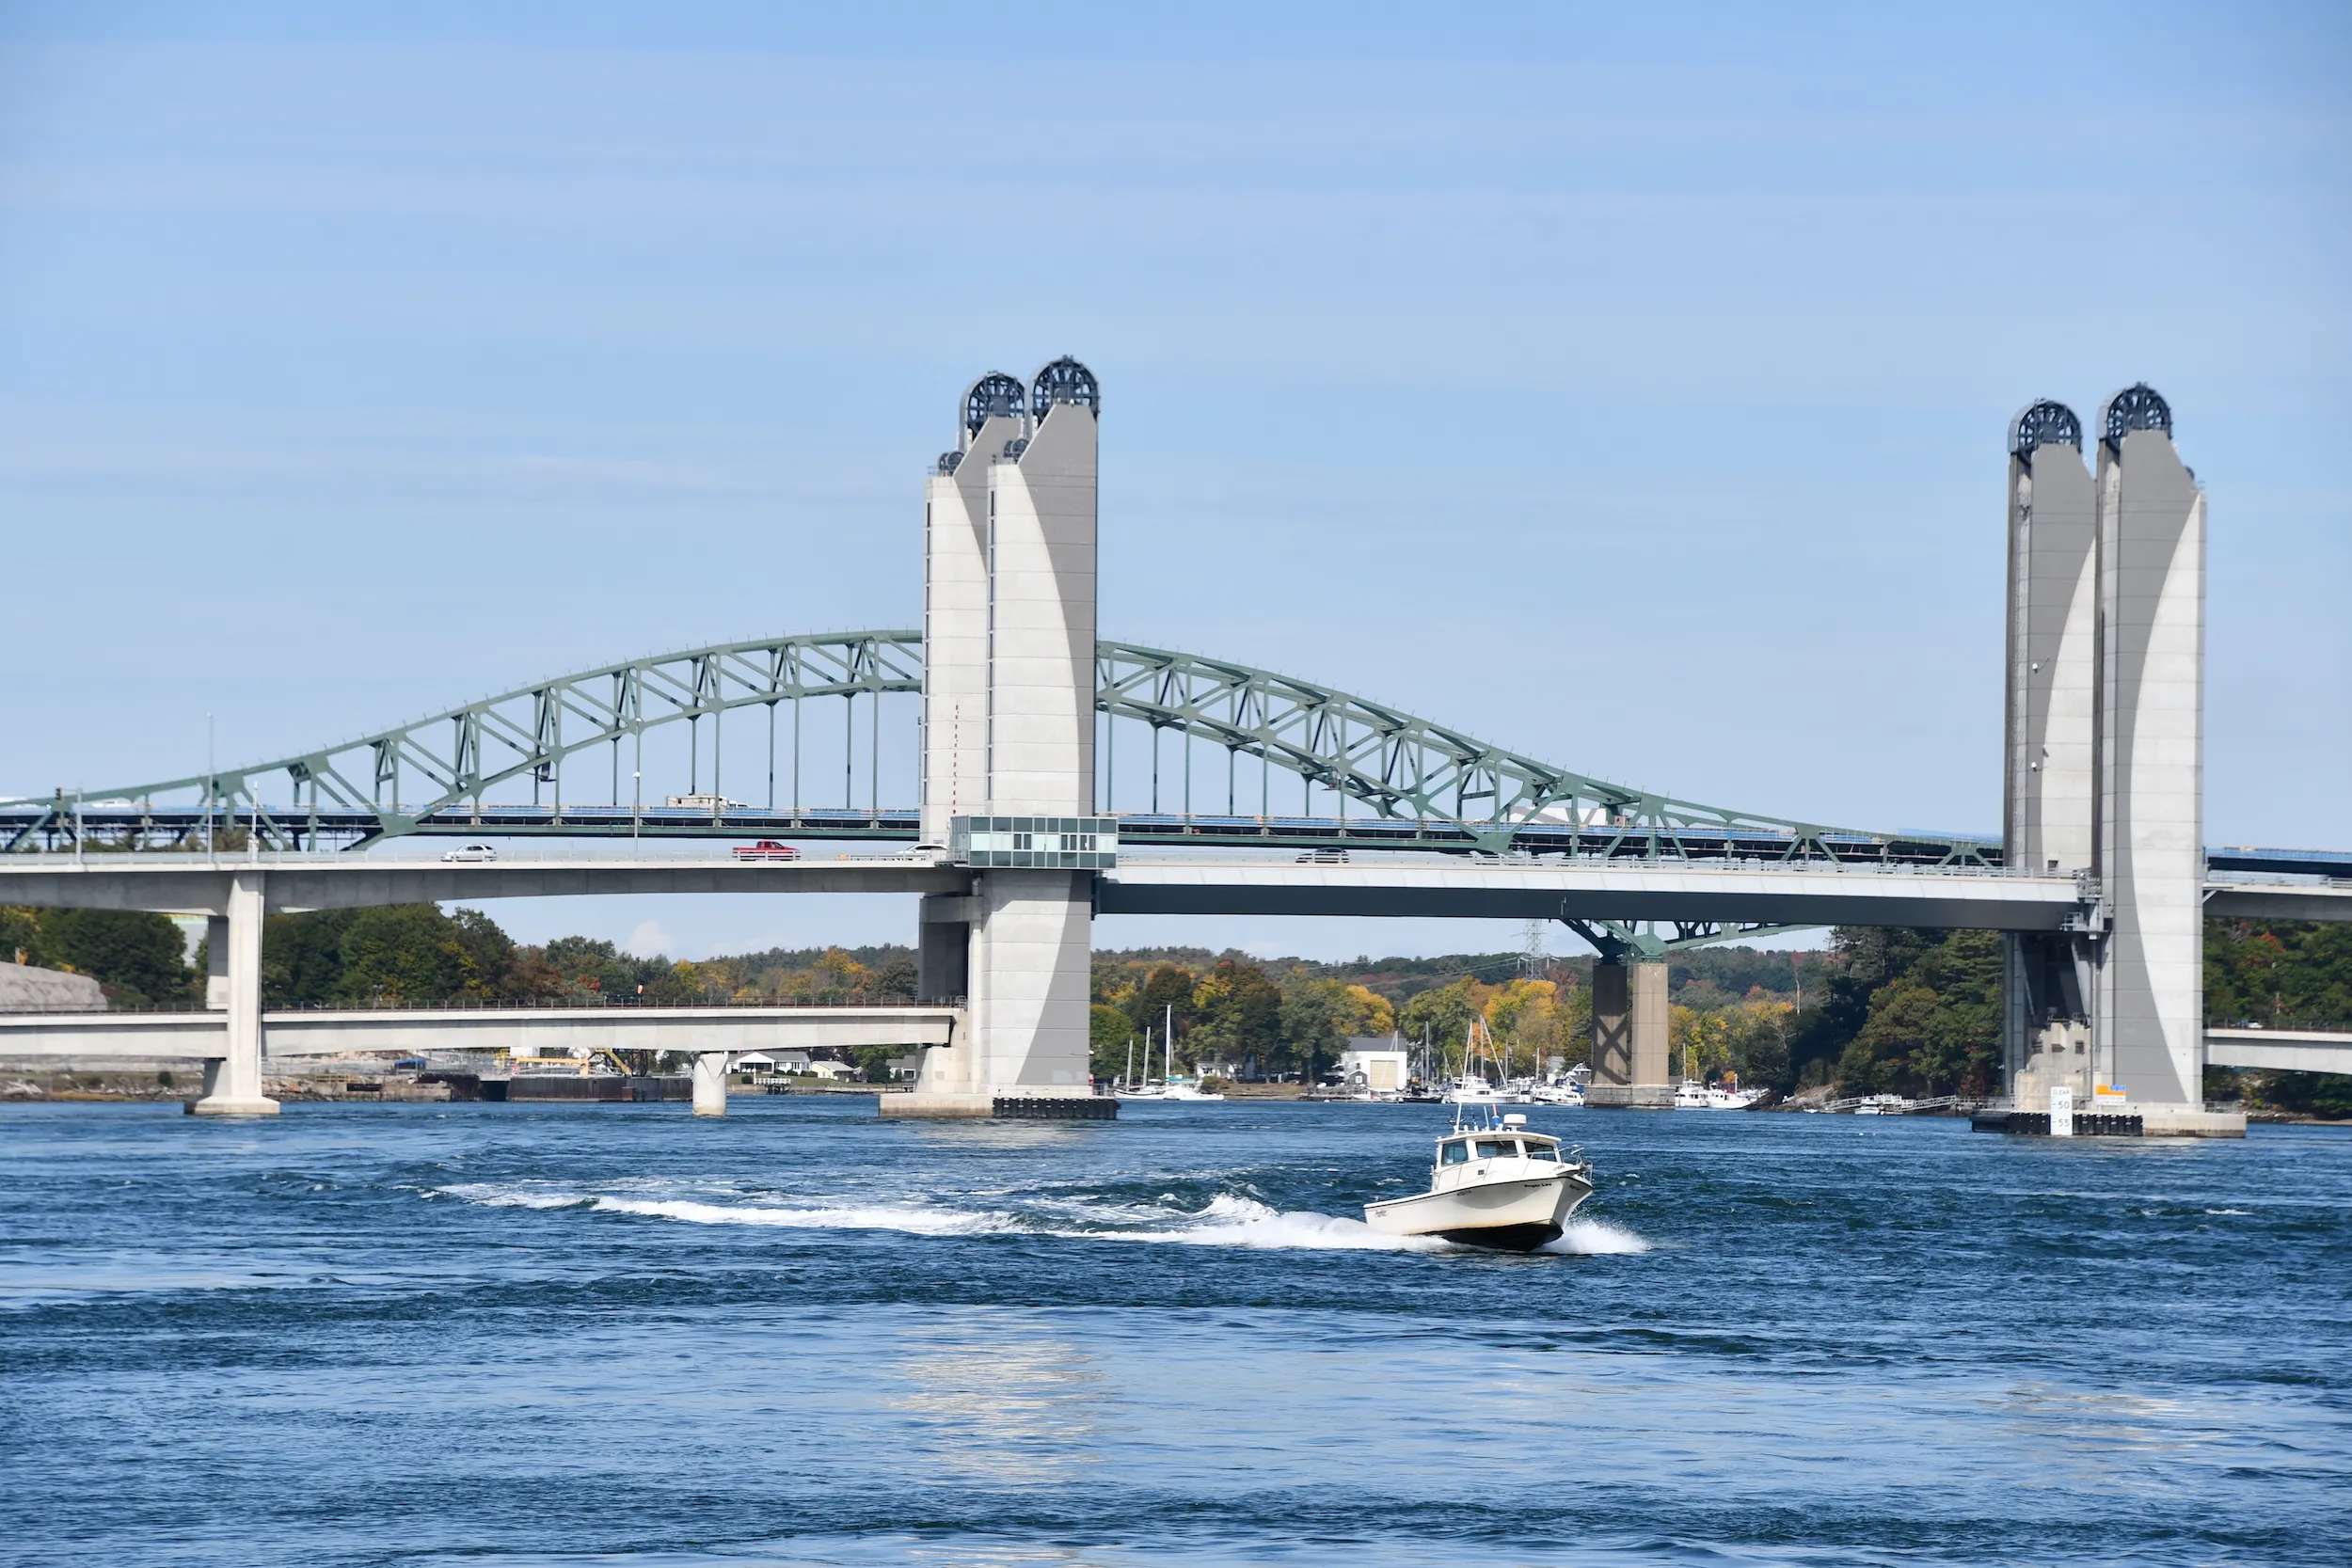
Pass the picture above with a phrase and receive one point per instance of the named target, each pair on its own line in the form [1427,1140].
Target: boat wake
[1596,1239]
[913,1219]
[1227,1220]
[1233,1220]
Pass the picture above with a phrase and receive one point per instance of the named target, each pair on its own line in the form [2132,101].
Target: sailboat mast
[1167,1043]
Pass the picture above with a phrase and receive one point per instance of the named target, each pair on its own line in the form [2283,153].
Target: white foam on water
[1231,1220]
[1227,1220]
[1596,1239]
[913,1220]
[491,1195]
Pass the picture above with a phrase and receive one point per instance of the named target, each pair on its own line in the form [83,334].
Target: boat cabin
[1474,1147]
[1503,1149]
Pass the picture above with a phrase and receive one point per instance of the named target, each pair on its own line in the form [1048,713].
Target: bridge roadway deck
[1136,829]
[1428,885]
[313,1032]
[2280,1050]
[1164,883]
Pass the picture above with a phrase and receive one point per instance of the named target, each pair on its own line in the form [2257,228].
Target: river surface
[614,1335]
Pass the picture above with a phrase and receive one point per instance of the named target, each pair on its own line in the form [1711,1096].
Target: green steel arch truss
[1419,785]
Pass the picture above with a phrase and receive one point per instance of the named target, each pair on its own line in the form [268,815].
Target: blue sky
[1627,387]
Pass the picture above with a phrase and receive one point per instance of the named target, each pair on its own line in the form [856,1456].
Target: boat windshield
[1497,1149]
[1542,1151]
[1453,1153]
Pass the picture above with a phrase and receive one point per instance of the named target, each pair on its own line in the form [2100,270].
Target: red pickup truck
[766,849]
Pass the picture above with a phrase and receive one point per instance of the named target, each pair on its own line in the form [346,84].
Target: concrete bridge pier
[2103,777]
[710,1083]
[232,1083]
[1009,671]
[1629,1035]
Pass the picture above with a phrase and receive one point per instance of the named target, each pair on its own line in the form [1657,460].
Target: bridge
[713,1036]
[2291,1049]
[1007,716]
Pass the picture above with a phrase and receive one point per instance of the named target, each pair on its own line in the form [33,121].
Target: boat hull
[1518,1214]
[1505,1238]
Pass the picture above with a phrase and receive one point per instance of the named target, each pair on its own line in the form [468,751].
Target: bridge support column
[216,963]
[1630,1036]
[2104,776]
[232,1084]
[1008,672]
[2148,1026]
[943,952]
[1031,955]
[710,1083]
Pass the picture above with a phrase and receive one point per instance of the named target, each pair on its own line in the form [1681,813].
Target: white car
[471,852]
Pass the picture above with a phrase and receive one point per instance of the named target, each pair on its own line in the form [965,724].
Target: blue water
[615,1335]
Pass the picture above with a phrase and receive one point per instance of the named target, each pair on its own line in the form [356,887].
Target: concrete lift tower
[2105,760]
[1007,748]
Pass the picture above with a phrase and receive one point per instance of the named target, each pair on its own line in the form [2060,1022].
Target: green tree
[894,978]
[1902,1015]
[1572,1025]
[1318,1018]
[302,956]
[490,952]
[404,952]
[1442,1017]
[2278,972]
[873,1061]
[1760,1044]
[1933,1027]
[1237,1014]
[1865,958]
[1167,985]
[138,957]
[2313,1094]
[590,967]
[1109,1032]
[19,936]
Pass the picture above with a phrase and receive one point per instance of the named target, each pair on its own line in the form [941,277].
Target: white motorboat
[1474,1088]
[1692,1095]
[1495,1184]
[1471,1090]
[1569,1093]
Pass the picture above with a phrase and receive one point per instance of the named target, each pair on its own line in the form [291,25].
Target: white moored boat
[1467,1090]
[1168,1085]
[1495,1184]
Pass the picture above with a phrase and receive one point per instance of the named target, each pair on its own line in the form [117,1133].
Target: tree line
[418,953]
[1878,1011]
